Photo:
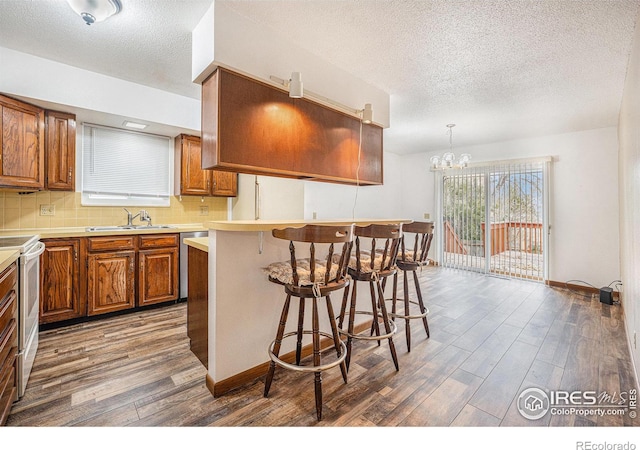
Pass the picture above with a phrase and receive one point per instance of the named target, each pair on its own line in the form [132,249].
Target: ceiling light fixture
[135,125]
[367,113]
[448,160]
[295,85]
[93,11]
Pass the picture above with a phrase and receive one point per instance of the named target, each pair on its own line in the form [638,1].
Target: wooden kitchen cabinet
[158,268]
[60,151]
[21,145]
[89,276]
[61,281]
[249,126]
[8,339]
[192,179]
[111,263]
[198,304]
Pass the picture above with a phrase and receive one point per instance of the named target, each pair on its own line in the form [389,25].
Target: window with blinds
[125,168]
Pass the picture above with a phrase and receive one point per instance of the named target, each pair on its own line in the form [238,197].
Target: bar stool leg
[385,318]
[278,344]
[421,303]
[336,337]
[375,325]
[395,292]
[316,357]
[406,311]
[300,328]
[352,317]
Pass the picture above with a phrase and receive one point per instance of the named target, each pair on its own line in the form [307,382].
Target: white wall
[337,201]
[584,240]
[224,37]
[629,188]
[42,79]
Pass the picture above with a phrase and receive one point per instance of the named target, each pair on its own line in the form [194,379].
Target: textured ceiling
[498,69]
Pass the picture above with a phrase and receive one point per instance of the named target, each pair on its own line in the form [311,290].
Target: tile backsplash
[22,211]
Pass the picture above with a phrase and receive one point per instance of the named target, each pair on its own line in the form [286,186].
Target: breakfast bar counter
[244,307]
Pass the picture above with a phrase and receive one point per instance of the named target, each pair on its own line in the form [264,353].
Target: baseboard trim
[577,287]
[219,388]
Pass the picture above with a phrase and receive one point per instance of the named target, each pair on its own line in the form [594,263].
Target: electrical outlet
[47,210]
[634,340]
[204,210]
[427,216]
[315,215]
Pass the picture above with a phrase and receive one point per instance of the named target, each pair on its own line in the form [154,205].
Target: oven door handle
[34,252]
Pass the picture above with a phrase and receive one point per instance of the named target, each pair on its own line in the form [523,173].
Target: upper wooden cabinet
[252,127]
[60,150]
[192,179]
[21,145]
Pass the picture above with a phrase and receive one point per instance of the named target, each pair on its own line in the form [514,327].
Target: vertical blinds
[125,164]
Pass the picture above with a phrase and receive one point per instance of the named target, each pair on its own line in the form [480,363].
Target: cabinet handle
[69,176]
[131,266]
[208,184]
[75,255]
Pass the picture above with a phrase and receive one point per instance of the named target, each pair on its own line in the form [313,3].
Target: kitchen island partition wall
[244,307]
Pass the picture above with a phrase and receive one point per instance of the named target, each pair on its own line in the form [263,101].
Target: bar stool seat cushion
[365,262]
[409,256]
[282,272]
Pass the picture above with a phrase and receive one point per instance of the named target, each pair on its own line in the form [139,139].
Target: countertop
[268,225]
[201,243]
[8,257]
[45,233]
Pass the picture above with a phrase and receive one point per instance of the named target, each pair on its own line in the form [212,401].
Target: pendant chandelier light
[448,160]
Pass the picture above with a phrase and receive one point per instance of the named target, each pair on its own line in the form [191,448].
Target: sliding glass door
[492,219]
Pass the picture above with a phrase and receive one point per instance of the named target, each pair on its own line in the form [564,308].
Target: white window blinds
[121,168]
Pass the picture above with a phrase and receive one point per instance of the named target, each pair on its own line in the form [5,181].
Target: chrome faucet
[144,217]
[130,217]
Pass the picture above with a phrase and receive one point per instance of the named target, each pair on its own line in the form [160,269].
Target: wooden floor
[490,339]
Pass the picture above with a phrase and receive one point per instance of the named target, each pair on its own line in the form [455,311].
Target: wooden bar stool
[372,264]
[410,259]
[311,278]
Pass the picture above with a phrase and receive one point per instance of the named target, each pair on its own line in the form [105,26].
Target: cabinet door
[158,276]
[21,145]
[193,180]
[60,150]
[110,278]
[225,184]
[60,281]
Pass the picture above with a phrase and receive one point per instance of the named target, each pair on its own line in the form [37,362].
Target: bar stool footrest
[392,326]
[405,315]
[320,368]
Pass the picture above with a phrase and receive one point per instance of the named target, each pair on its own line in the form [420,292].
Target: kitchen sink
[127,227]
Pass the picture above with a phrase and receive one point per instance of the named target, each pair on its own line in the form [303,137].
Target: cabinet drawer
[8,342]
[8,280]
[159,240]
[7,388]
[99,244]
[8,308]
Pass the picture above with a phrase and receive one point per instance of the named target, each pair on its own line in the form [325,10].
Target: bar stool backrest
[384,241]
[320,234]
[422,234]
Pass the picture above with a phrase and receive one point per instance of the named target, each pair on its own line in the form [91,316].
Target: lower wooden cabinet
[158,267]
[83,277]
[61,281]
[8,339]
[110,281]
